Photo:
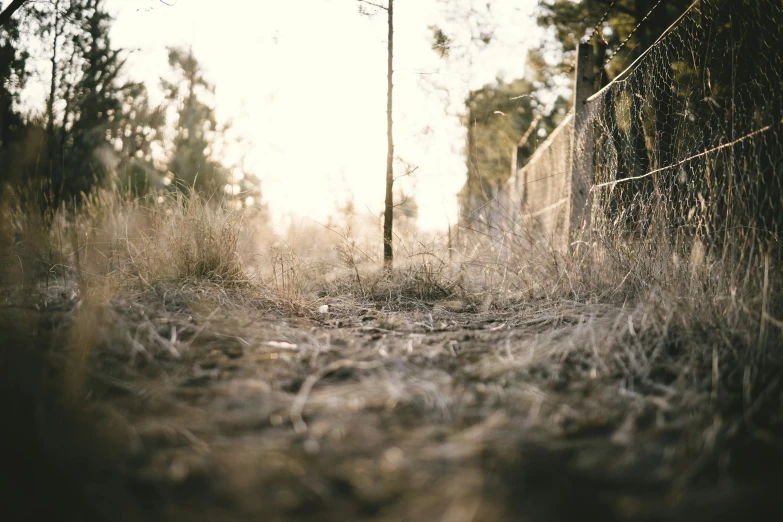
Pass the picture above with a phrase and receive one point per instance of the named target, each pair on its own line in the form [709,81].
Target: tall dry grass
[175,241]
[186,238]
[656,315]
[112,240]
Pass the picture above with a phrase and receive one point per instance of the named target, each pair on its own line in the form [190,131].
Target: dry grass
[655,315]
[443,375]
[112,240]
[423,279]
[725,311]
[188,238]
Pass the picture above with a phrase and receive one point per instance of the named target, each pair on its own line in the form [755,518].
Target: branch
[379,6]
[530,130]
[407,173]
[10,10]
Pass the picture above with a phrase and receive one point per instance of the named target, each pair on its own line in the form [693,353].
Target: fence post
[582,144]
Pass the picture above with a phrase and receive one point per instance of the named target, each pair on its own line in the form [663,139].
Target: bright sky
[304,82]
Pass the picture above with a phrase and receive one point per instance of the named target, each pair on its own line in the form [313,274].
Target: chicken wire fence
[686,149]
[683,151]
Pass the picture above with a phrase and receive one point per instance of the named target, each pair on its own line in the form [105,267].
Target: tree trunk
[53,85]
[54,173]
[388,253]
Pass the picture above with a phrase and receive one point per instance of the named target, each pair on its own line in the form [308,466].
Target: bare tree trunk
[54,172]
[53,86]
[388,253]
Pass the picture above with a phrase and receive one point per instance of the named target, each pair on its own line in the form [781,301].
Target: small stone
[281,345]
[311,446]
[392,458]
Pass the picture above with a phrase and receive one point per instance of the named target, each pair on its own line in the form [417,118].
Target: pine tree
[92,107]
[140,125]
[192,164]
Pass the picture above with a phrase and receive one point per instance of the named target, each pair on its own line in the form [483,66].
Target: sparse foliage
[192,162]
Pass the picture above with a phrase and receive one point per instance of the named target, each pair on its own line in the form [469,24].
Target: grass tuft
[188,238]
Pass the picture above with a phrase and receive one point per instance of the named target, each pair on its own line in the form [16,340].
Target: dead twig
[297,407]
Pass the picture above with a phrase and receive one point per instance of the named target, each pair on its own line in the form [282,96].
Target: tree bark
[9,11]
[54,173]
[388,253]
[53,85]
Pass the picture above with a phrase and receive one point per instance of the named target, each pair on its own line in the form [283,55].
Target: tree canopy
[99,127]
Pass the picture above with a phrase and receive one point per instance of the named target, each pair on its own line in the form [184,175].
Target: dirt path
[364,413]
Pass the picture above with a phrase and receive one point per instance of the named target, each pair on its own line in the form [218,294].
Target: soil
[432,411]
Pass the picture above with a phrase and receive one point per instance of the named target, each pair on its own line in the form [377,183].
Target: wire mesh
[681,156]
[538,194]
[686,148]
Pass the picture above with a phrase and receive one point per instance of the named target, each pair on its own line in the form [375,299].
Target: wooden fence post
[582,145]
